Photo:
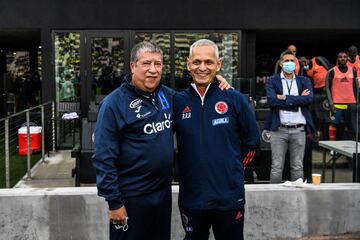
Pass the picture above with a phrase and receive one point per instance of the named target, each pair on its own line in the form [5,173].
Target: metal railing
[17,156]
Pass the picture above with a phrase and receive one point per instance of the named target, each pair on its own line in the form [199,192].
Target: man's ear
[218,65]
[132,65]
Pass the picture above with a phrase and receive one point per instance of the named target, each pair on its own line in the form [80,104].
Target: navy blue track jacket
[133,143]
[212,139]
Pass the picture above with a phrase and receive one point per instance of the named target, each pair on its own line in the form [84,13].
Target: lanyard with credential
[287,85]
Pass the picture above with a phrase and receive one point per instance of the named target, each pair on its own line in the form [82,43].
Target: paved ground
[56,171]
[340,237]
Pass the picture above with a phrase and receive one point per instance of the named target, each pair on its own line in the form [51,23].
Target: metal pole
[53,126]
[357,134]
[42,134]
[28,145]
[7,154]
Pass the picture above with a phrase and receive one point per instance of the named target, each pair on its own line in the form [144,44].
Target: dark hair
[286,52]
[353,48]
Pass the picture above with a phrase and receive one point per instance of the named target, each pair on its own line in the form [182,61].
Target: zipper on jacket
[202,127]
[151,98]
[202,124]
[202,98]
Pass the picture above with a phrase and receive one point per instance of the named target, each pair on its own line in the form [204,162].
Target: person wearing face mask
[298,65]
[293,49]
[289,97]
[341,92]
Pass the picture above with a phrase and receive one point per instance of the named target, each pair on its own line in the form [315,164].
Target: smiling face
[146,71]
[203,65]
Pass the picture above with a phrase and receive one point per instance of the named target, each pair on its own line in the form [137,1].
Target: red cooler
[35,139]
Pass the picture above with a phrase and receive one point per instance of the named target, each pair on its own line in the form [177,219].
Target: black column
[47,83]
[48,78]
[247,62]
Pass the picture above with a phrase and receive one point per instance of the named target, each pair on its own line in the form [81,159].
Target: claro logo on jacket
[156,127]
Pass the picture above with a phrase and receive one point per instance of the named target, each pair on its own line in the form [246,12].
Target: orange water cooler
[35,140]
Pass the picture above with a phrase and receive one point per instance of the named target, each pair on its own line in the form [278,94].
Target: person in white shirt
[289,97]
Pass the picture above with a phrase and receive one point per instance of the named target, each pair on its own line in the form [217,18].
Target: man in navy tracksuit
[134,151]
[216,131]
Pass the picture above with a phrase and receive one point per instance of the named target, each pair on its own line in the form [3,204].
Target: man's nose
[152,68]
[202,67]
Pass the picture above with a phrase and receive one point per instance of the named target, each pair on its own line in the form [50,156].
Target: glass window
[39,61]
[20,85]
[18,62]
[67,66]
[163,41]
[228,50]
[67,81]
[107,64]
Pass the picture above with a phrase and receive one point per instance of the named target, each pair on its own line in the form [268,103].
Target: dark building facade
[81,49]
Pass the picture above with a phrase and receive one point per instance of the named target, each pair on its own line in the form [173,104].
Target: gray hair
[204,42]
[142,47]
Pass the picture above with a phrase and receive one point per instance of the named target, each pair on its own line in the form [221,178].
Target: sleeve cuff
[115,204]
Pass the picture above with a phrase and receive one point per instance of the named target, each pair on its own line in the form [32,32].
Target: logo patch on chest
[136,104]
[164,102]
[186,113]
[157,127]
[221,107]
[219,121]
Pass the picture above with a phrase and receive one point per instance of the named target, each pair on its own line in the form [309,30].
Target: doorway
[88,66]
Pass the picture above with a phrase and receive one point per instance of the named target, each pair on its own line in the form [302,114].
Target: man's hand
[223,83]
[280,97]
[118,216]
[306,92]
